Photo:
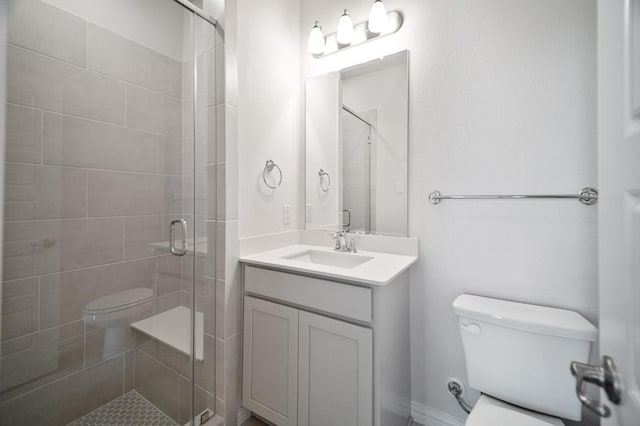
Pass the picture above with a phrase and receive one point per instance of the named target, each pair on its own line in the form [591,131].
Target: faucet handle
[336,236]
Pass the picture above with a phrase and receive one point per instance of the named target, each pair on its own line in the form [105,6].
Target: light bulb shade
[316,40]
[345,29]
[378,20]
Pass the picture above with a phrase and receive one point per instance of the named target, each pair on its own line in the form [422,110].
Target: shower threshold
[130,409]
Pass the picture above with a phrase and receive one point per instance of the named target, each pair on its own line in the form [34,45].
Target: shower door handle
[172,237]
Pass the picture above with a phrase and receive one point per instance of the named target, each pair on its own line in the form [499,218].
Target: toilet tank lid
[527,317]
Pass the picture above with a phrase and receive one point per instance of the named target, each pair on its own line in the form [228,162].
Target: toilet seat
[118,301]
[493,412]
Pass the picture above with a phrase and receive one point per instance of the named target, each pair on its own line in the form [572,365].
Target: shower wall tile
[131,194]
[78,243]
[24,135]
[19,308]
[129,370]
[31,361]
[200,156]
[215,124]
[141,231]
[215,71]
[226,257]
[64,296]
[169,274]
[212,188]
[167,301]
[124,59]
[94,341]
[176,360]
[19,250]
[49,405]
[148,345]
[220,360]
[231,373]
[205,370]
[221,191]
[37,81]
[70,141]
[48,30]
[221,308]
[203,269]
[231,160]
[233,300]
[200,400]
[43,192]
[158,383]
[206,36]
[170,155]
[152,111]
[206,303]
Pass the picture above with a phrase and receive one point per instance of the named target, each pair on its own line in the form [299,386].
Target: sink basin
[338,259]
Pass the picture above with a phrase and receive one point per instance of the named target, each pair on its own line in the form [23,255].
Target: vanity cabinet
[335,372]
[322,352]
[270,379]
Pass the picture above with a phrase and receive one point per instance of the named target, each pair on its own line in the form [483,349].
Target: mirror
[356,148]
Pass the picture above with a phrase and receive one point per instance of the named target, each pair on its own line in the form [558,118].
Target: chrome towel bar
[587,196]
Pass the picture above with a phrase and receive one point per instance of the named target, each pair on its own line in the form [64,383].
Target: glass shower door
[104,132]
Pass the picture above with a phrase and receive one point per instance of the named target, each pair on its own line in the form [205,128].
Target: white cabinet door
[270,361]
[335,385]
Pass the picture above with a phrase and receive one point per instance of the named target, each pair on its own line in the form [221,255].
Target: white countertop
[380,270]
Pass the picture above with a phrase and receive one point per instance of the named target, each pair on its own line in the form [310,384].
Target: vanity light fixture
[316,40]
[378,19]
[345,29]
[381,23]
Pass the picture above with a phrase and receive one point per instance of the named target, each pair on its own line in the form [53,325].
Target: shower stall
[108,122]
[359,170]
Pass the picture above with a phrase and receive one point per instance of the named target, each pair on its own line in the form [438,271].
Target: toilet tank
[520,353]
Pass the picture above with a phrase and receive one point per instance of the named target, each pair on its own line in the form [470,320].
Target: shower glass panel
[358,171]
[106,144]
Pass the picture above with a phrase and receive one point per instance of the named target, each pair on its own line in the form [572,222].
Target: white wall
[502,99]
[269,113]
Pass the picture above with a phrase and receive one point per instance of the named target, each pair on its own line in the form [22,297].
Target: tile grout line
[94,120]
[92,71]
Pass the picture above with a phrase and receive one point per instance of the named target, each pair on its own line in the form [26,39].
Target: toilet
[114,313]
[518,355]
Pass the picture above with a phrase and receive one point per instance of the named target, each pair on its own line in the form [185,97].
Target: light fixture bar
[361,34]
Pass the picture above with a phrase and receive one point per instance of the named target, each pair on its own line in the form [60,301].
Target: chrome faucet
[341,241]
[343,244]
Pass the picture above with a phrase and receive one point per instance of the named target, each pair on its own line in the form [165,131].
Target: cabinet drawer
[340,299]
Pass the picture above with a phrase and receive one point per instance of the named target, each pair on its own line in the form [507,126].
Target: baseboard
[428,416]
[243,415]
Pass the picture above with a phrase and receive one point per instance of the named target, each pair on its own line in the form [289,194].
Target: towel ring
[324,186]
[268,168]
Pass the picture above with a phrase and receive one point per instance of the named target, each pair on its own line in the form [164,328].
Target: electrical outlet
[308,213]
[286,214]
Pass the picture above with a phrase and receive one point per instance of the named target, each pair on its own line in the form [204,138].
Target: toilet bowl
[518,356]
[114,313]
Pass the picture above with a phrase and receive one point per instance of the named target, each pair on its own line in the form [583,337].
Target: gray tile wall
[99,149]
